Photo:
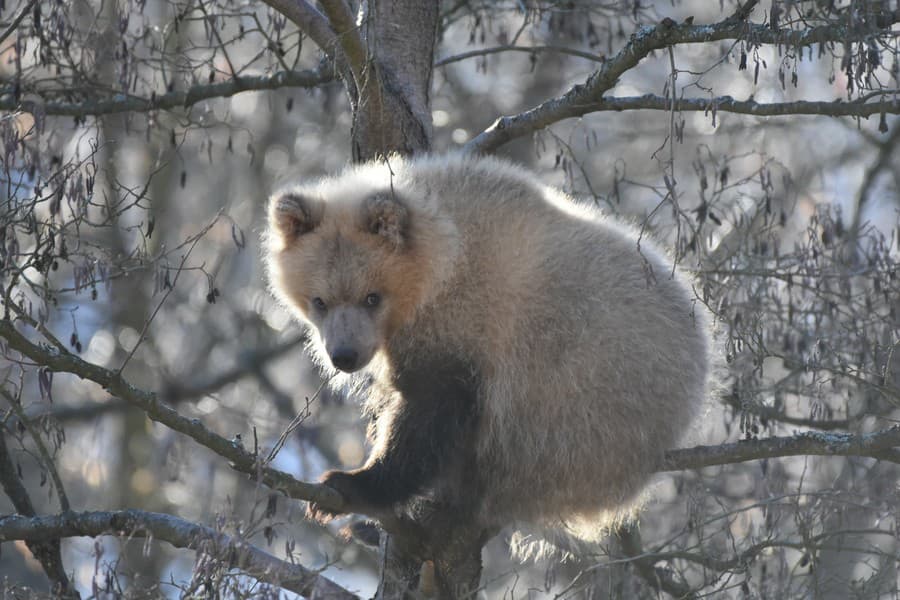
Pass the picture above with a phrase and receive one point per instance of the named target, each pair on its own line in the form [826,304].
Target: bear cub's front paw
[352,487]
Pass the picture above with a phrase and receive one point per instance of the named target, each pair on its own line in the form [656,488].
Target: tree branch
[46,551]
[310,21]
[351,42]
[180,533]
[645,565]
[770,413]
[115,384]
[248,362]
[886,149]
[18,20]
[45,455]
[835,108]
[880,445]
[119,103]
[715,561]
[527,49]
[578,99]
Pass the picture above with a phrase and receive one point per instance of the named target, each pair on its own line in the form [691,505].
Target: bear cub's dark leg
[429,427]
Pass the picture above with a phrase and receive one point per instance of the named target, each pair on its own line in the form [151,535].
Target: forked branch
[588,97]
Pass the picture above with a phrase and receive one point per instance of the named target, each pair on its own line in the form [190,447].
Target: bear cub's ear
[292,215]
[385,216]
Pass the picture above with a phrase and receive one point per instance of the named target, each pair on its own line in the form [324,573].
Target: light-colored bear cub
[531,361]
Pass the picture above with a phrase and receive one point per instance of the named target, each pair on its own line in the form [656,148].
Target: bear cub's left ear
[292,215]
[385,216]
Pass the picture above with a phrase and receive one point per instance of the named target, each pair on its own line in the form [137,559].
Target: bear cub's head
[347,266]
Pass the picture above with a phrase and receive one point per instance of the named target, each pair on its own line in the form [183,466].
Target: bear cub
[526,357]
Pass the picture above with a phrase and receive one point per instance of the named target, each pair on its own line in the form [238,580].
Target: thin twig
[659,579]
[293,425]
[46,457]
[46,551]
[15,24]
[199,236]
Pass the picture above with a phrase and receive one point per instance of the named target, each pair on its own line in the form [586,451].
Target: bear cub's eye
[373,300]
[319,303]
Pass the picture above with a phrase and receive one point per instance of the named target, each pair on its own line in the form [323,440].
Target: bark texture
[390,88]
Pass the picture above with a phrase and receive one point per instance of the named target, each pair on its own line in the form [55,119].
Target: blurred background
[133,238]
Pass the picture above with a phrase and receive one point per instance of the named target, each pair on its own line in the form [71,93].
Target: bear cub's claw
[351,486]
[314,512]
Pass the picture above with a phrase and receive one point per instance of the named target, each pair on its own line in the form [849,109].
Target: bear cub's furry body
[531,358]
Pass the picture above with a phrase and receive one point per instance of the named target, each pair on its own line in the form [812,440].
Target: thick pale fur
[590,354]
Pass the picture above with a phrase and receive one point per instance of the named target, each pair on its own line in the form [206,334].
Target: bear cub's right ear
[292,215]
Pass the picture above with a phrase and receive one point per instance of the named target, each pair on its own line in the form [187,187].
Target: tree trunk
[391,99]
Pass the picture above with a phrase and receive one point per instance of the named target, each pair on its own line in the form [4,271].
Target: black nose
[344,358]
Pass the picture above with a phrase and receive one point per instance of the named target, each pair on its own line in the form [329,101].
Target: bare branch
[119,103]
[886,149]
[659,579]
[574,103]
[43,452]
[310,21]
[180,533]
[348,37]
[15,24]
[527,49]
[835,108]
[115,384]
[248,362]
[716,562]
[770,413]
[47,550]
[880,444]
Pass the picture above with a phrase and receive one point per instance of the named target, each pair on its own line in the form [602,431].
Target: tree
[139,142]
